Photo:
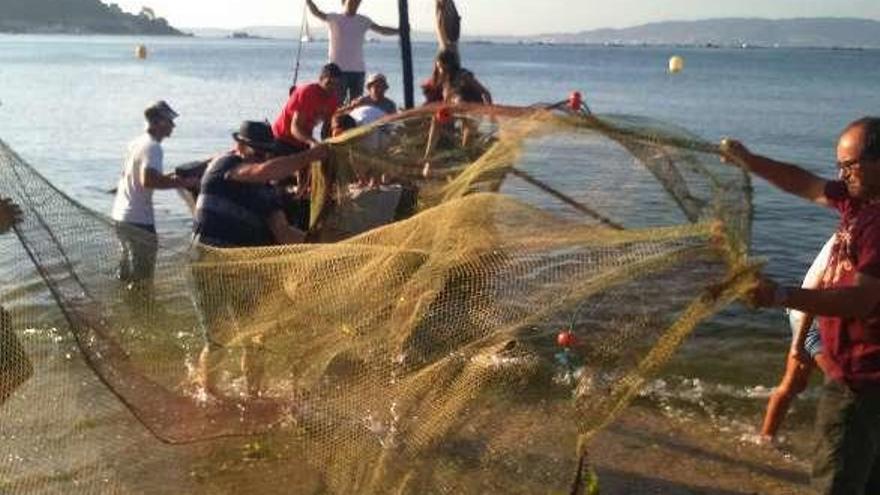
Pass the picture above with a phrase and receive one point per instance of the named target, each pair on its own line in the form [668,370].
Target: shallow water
[69,105]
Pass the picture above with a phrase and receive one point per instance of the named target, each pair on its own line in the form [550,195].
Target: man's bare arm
[790,178]
[846,302]
[282,231]
[151,179]
[276,168]
[298,131]
[315,10]
[384,30]
[858,301]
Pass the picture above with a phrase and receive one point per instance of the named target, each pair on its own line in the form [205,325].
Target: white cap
[374,78]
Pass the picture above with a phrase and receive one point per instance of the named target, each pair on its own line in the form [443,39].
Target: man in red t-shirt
[847,457]
[306,106]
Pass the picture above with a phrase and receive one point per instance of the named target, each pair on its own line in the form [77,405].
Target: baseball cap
[160,109]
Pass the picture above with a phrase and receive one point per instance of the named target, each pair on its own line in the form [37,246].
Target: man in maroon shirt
[847,459]
[307,105]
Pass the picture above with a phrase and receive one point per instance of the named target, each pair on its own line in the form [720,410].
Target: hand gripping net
[410,348]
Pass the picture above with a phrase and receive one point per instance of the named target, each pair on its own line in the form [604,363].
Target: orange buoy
[566,338]
[140,52]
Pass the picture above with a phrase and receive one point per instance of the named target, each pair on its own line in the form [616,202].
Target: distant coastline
[833,33]
[95,17]
[820,32]
[79,17]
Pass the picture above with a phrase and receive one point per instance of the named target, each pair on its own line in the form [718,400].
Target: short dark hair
[331,70]
[344,121]
[871,127]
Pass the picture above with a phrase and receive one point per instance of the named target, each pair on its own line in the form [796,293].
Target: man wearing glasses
[847,457]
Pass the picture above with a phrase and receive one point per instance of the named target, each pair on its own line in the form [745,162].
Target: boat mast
[406,53]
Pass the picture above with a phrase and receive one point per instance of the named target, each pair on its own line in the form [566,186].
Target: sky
[498,17]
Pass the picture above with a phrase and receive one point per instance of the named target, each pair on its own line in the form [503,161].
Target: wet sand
[644,452]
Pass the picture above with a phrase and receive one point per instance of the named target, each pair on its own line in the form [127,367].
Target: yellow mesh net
[412,347]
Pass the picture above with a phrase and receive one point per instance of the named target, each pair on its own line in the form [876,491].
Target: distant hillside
[814,32]
[317,29]
[78,16]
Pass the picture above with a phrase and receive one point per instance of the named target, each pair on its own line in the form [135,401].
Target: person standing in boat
[347,35]
[294,130]
[133,206]
[308,104]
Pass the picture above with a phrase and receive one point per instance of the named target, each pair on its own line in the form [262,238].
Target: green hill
[77,16]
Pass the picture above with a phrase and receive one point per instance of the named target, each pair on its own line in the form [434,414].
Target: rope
[302,27]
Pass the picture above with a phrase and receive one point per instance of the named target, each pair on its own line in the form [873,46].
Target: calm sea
[69,105]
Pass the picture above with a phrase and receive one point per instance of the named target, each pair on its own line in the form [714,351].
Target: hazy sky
[504,16]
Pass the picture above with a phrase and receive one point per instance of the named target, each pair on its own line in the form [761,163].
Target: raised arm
[448,25]
[790,178]
[320,14]
[277,168]
[384,30]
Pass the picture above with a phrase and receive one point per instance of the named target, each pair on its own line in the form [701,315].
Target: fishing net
[464,327]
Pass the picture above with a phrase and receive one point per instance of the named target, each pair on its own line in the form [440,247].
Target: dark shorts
[351,86]
[139,246]
[847,457]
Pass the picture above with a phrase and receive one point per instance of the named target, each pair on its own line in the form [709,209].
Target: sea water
[69,105]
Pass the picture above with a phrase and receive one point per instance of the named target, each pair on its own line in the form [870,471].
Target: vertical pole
[406,53]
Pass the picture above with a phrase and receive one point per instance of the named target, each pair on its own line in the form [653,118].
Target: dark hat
[160,109]
[257,135]
[331,70]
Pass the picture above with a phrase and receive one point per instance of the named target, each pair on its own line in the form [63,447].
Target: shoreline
[646,452]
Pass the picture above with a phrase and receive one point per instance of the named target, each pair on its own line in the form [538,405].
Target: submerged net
[411,347]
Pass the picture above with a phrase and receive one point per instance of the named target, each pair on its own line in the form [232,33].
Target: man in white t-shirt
[133,206]
[347,34]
